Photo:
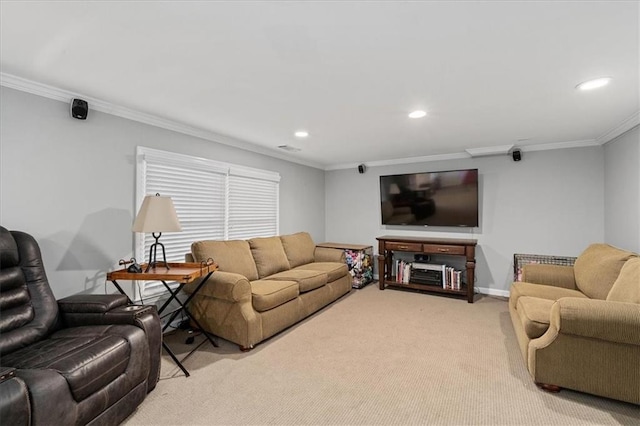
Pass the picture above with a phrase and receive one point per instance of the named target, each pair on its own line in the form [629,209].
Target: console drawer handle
[403,247]
[443,250]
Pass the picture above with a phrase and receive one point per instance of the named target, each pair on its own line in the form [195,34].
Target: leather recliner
[85,359]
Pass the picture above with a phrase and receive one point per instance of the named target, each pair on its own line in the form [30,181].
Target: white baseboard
[492,291]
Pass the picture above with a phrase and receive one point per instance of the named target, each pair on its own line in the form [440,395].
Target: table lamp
[156,215]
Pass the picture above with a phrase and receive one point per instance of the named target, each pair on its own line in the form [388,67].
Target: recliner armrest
[101,309]
[110,309]
[91,303]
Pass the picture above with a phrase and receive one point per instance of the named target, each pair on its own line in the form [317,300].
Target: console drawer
[444,249]
[403,246]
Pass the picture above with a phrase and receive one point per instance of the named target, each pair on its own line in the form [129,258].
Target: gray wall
[71,184]
[622,191]
[551,202]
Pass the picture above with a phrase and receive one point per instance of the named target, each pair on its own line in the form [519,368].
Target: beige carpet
[373,357]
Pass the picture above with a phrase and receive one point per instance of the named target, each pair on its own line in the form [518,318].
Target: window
[213,200]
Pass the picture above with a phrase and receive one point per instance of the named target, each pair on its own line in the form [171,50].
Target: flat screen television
[447,198]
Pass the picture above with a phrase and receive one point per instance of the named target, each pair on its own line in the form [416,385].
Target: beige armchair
[578,326]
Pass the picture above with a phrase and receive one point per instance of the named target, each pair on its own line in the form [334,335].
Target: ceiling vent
[289,148]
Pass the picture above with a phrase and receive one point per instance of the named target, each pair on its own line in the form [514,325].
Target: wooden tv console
[440,246]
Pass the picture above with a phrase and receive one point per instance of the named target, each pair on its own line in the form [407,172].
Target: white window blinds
[253,204]
[213,200]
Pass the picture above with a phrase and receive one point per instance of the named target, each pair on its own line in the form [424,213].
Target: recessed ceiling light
[594,84]
[417,114]
[301,134]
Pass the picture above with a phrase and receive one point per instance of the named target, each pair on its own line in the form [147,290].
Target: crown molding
[466,155]
[621,128]
[559,145]
[395,161]
[55,93]
[51,92]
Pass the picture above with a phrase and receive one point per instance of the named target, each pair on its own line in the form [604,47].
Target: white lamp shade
[157,214]
[394,189]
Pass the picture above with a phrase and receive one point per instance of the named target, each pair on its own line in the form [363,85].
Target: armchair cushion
[626,288]
[520,289]
[553,275]
[597,268]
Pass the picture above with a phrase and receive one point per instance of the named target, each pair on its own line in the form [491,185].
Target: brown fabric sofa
[578,326]
[264,285]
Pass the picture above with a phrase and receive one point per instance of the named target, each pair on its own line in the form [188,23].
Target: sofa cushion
[231,256]
[597,268]
[521,289]
[268,255]
[626,288]
[534,314]
[299,248]
[267,294]
[333,270]
[307,280]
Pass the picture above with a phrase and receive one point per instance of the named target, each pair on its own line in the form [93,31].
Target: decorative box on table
[359,260]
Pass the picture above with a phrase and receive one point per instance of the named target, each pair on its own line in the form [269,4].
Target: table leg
[186,310]
[175,359]
[183,308]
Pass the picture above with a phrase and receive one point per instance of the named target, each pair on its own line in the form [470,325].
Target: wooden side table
[359,260]
[181,273]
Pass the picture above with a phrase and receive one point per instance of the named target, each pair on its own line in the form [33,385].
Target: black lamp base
[153,251]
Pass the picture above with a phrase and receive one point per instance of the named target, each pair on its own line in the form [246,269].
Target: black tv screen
[448,198]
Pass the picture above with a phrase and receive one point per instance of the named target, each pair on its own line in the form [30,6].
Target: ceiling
[486,73]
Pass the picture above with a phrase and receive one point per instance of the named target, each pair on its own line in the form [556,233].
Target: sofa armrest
[326,254]
[223,285]
[597,319]
[553,275]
